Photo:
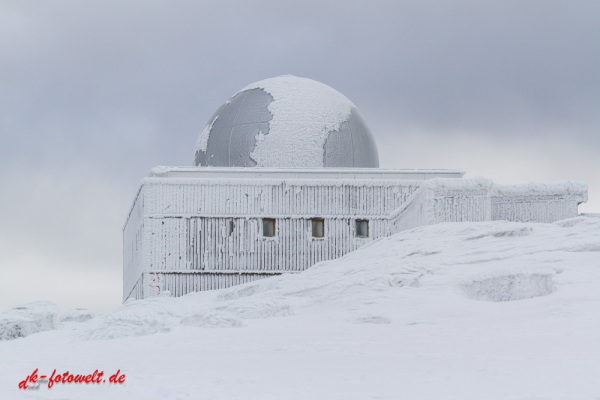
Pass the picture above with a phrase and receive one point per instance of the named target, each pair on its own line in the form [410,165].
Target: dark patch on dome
[352,145]
[233,134]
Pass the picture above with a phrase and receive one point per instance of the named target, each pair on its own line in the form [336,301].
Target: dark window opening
[362,228]
[318,227]
[231,227]
[268,227]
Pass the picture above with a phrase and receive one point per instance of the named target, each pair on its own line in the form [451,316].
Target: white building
[286,176]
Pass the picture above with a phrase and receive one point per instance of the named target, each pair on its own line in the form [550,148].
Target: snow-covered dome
[287,121]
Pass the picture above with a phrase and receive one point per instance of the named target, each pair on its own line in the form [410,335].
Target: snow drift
[487,310]
[470,258]
[27,319]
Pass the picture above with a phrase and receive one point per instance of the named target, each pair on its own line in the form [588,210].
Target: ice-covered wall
[413,213]
[444,200]
[537,202]
[234,244]
[274,197]
[190,230]
[178,283]
[215,225]
[133,244]
[456,200]
[459,200]
[201,227]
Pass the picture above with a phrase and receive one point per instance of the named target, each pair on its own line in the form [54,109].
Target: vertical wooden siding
[211,228]
[210,244]
[218,227]
[541,208]
[133,245]
[179,284]
[208,197]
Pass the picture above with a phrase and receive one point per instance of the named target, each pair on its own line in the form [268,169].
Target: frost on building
[286,175]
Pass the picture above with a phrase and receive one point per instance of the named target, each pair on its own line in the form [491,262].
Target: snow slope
[491,310]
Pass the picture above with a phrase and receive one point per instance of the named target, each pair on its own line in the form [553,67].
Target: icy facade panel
[192,232]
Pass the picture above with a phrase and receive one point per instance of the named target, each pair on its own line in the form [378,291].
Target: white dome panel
[287,122]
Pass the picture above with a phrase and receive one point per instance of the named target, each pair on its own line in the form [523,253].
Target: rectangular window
[318,227]
[362,228]
[268,227]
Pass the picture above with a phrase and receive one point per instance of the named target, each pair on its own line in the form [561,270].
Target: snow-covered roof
[287,121]
[303,173]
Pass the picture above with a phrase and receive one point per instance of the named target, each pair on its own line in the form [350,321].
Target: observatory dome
[287,122]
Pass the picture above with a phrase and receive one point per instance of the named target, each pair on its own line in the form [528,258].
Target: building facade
[239,215]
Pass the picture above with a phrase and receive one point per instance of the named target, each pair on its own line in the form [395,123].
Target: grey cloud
[105,90]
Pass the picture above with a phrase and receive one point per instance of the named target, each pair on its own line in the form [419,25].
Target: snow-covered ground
[491,310]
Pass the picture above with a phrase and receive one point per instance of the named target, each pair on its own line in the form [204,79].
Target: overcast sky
[95,93]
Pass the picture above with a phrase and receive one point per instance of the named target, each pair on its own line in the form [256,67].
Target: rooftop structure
[287,122]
